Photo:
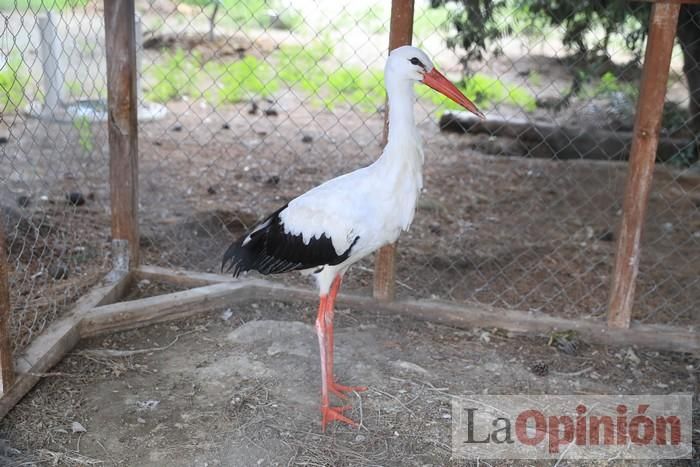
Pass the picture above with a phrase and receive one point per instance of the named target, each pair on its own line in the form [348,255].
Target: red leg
[335,388]
[328,413]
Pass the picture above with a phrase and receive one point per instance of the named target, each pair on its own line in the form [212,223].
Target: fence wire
[246,104]
[54,196]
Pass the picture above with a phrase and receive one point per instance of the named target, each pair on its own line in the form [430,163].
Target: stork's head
[411,63]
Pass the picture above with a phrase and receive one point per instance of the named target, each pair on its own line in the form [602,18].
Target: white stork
[334,225]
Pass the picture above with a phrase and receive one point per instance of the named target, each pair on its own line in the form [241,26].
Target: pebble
[307,139]
[607,236]
[59,270]
[24,201]
[253,109]
[75,198]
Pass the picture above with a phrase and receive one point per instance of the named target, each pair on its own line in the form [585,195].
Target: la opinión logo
[591,427]
[583,430]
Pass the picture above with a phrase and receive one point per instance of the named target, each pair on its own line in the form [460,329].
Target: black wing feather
[271,250]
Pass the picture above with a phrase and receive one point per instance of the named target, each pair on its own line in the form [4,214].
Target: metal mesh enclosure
[246,104]
[53,175]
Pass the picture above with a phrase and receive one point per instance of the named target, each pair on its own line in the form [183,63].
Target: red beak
[437,81]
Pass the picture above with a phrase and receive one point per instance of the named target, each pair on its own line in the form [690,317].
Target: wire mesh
[246,104]
[53,175]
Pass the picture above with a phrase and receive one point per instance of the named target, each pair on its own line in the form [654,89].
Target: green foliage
[13,82]
[486,92]
[248,13]
[173,79]
[588,25]
[85,137]
[309,68]
[241,80]
[37,5]
[609,84]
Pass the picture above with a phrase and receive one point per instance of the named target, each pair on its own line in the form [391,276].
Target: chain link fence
[247,104]
[54,196]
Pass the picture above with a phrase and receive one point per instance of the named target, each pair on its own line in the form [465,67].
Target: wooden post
[7,369]
[400,33]
[122,125]
[662,31]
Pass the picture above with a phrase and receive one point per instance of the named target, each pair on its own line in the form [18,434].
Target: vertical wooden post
[400,33]
[122,125]
[7,369]
[662,31]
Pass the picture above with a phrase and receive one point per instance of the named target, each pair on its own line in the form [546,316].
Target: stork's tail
[233,259]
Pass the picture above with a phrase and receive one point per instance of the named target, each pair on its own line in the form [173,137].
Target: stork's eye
[415,61]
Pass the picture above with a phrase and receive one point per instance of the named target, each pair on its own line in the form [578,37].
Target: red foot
[330,414]
[340,390]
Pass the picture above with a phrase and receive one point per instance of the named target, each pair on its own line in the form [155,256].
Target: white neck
[400,168]
[401,119]
[403,146]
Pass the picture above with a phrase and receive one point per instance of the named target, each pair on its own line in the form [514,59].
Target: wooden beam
[139,313]
[181,278]
[400,33]
[55,342]
[551,141]
[120,44]
[177,305]
[662,32]
[7,368]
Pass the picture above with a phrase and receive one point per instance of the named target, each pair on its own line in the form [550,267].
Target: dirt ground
[240,387]
[512,232]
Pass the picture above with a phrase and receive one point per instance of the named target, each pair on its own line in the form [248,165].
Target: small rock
[667,227]
[411,367]
[4,140]
[540,369]
[76,427]
[24,201]
[226,315]
[360,438]
[253,109]
[273,180]
[75,198]
[225,126]
[140,420]
[632,357]
[548,102]
[435,229]
[606,236]
[271,112]
[143,283]
[157,143]
[307,139]
[211,190]
[177,127]
[59,270]
[147,405]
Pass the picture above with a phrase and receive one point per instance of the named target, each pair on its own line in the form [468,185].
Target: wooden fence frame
[99,311]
